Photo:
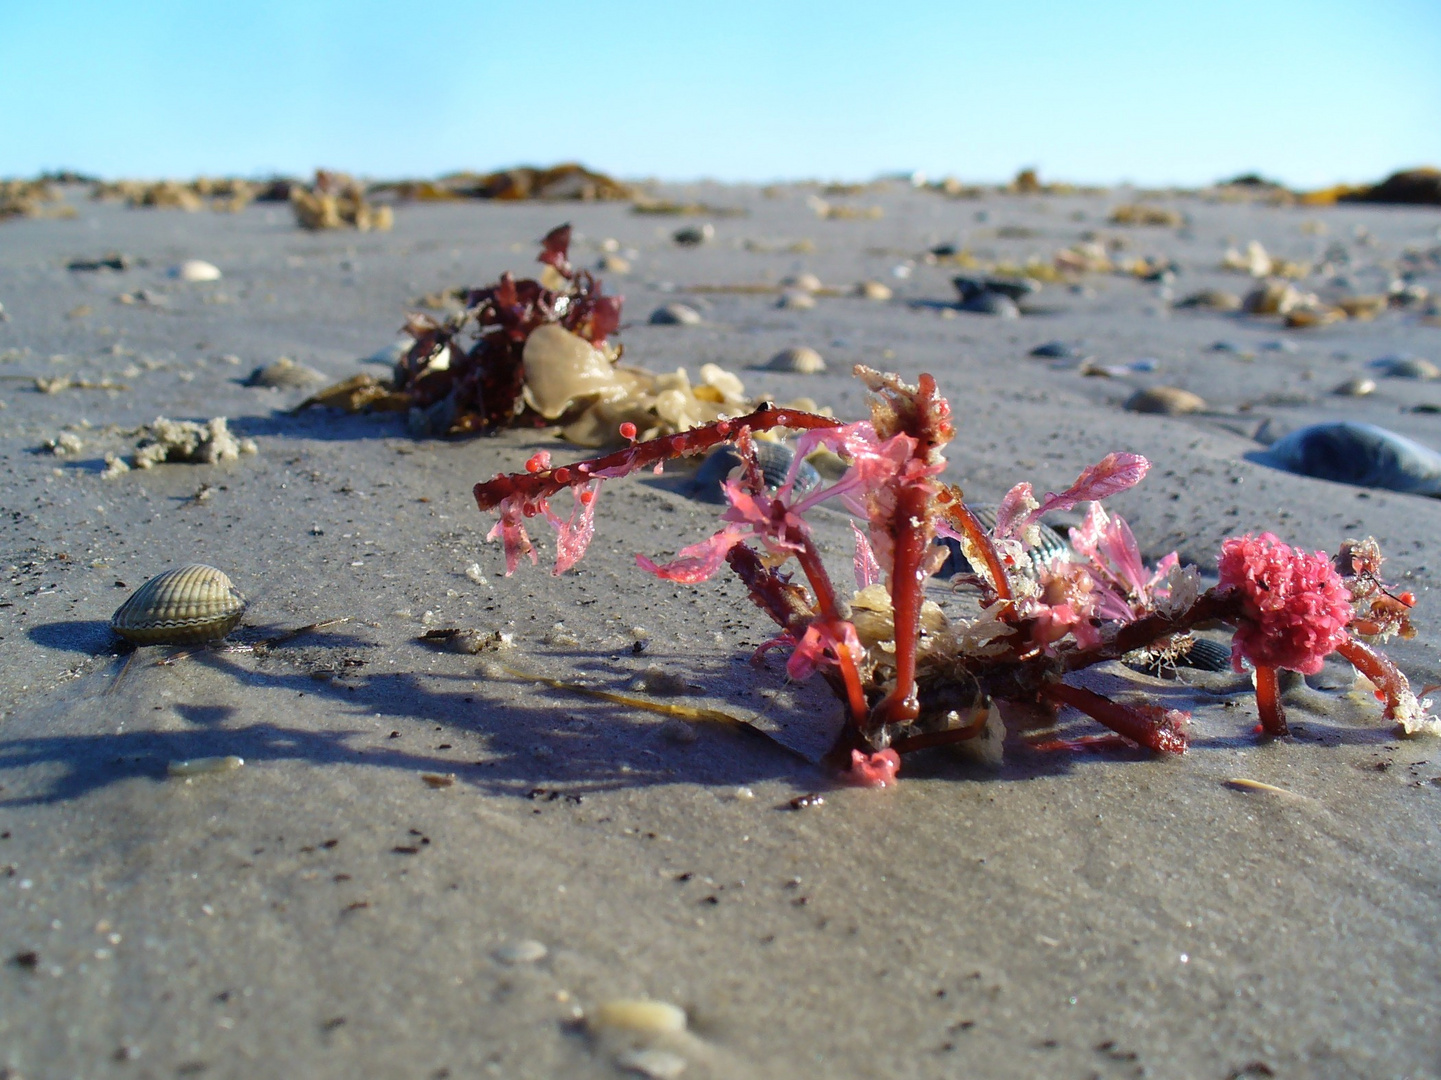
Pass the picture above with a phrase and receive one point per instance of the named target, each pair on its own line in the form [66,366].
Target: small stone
[1358,387]
[196,270]
[652,1063]
[1165,400]
[641,1017]
[614,264]
[1058,350]
[801,360]
[806,282]
[873,290]
[796,300]
[473,572]
[1211,300]
[1407,367]
[675,315]
[991,303]
[694,235]
[65,444]
[526,951]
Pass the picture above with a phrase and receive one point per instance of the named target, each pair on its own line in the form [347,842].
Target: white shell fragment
[181,606]
[652,1063]
[526,951]
[284,374]
[196,270]
[803,360]
[874,290]
[638,1016]
[204,766]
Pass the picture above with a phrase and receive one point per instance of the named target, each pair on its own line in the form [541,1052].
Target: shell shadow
[89,636]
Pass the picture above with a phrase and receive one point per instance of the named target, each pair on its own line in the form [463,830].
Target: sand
[326,911]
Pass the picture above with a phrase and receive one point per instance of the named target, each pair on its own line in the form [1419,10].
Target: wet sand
[325,911]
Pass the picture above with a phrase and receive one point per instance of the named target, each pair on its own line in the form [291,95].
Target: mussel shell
[1360,454]
[1052,546]
[1207,655]
[179,607]
[775,462]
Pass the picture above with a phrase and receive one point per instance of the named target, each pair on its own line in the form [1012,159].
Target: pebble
[204,766]
[196,270]
[1361,454]
[526,951]
[1164,400]
[1211,300]
[1356,387]
[874,290]
[991,303]
[652,1063]
[615,264]
[806,281]
[1407,367]
[1013,288]
[675,315]
[641,1017]
[796,300]
[802,360]
[284,374]
[1058,350]
[694,235]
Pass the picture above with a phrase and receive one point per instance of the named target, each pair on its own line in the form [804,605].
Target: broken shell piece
[196,270]
[186,441]
[805,282]
[181,606]
[1275,298]
[652,1062]
[675,315]
[873,290]
[802,360]
[563,369]
[1363,308]
[640,1017]
[614,264]
[526,951]
[1356,388]
[284,374]
[356,393]
[1211,300]
[204,766]
[1165,400]
[1302,318]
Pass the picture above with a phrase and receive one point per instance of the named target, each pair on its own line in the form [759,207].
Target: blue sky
[1098,92]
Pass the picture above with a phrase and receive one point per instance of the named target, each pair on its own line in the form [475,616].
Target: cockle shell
[775,460]
[181,606]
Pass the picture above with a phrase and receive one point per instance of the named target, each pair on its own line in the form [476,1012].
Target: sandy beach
[328,911]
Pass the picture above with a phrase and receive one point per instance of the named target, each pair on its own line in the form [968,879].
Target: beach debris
[612,263]
[1016,288]
[1049,544]
[568,181]
[284,374]
[1259,263]
[801,360]
[54,384]
[829,211]
[205,766]
[675,314]
[805,282]
[694,235]
[66,444]
[1165,656]
[1357,387]
[1211,300]
[639,1016]
[112,260]
[1059,350]
[188,604]
[1146,214]
[195,270]
[205,443]
[652,1062]
[796,300]
[878,291]
[469,642]
[776,460]
[1165,401]
[645,204]
[1277,297]
[1406,367]
[1360,454]
[438,781]
[990,303]
[1363,308]
[358,393]
[524,951]
[337,201]
[1320,315]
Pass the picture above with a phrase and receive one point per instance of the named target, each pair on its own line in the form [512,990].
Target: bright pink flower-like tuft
[1296,606]
[874,770]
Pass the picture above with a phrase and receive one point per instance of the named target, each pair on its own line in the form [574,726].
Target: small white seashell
[805,282]
[188,604]
[527,951]
[639,1016]
[803,360]
[1358,387]
[796,300]
[1165,400]
[284,374]
[652,1063]
[675,315]
[204,766]
[196,270]
[873,290]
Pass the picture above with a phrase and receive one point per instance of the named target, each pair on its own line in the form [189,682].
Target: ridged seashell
[179,607]
[1360,454]
[675,315]
[284,374]
[1207,655]
[775,462]
[1165,401]
[1052,546]
[802,360]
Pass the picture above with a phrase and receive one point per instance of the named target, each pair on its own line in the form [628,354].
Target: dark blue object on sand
[1360,454]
